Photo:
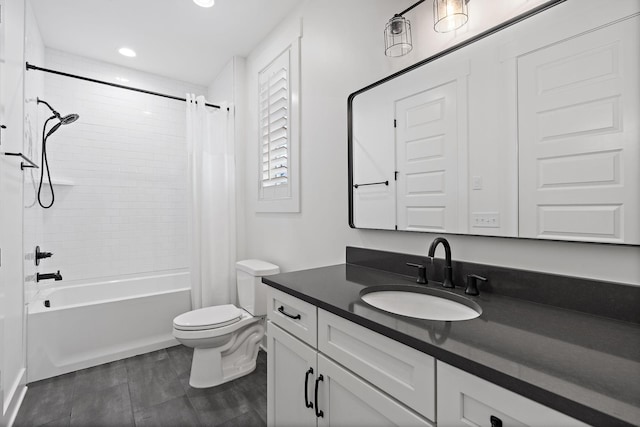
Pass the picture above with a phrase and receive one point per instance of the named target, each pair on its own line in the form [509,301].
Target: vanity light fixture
[204,3]
[128,52]
[397,36]
[448,15]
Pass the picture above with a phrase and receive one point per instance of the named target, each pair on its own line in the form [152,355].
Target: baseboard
[18,391]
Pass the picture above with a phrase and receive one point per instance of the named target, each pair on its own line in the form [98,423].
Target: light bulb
[204,3]
[125,51]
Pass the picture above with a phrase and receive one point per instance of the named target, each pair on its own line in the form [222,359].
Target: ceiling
[173,38]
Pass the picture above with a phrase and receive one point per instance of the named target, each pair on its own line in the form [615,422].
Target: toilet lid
[208,318]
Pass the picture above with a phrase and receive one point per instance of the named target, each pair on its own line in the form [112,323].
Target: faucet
[56,276]
[448,270]
[422,272]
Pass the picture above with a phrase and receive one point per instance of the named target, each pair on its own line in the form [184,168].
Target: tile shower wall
[119,173]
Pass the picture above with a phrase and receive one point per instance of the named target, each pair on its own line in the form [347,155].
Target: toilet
[226,338]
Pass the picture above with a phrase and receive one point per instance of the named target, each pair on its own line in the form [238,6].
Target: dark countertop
[585,366]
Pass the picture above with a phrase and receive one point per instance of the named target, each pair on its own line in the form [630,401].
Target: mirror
[516,133]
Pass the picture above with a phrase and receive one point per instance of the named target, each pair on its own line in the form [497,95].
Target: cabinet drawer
[295,316]
[464,399]
[401,371]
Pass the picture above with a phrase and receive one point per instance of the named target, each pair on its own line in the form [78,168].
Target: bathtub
[87,325]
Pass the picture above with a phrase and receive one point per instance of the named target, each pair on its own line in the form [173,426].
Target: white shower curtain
[212,212]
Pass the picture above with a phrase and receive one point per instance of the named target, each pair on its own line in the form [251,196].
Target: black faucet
[422,272]
[448,270]
[472,284]
[56,276]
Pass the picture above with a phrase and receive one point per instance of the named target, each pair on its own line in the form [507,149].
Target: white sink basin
[421,302]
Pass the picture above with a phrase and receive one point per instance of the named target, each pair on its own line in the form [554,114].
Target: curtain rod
[135,89]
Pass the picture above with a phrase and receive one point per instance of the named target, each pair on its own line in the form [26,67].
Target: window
[274,122]
[278,189]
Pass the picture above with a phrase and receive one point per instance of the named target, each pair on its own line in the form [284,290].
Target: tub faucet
[56,276]
[448,270]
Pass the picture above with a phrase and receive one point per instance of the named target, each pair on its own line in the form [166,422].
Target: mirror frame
[541,8]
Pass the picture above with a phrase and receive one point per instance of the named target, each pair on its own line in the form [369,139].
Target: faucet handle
[472,284]
[422,272]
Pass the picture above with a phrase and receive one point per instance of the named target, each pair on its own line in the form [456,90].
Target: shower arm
[55,113]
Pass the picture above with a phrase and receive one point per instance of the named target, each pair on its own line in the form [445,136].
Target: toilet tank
[252,293]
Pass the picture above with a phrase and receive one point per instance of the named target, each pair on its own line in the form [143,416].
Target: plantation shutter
[274,106]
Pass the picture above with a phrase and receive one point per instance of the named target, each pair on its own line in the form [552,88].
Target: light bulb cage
[449,15]
[397,36]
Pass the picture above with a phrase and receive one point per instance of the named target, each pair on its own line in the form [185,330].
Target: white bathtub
[91,324]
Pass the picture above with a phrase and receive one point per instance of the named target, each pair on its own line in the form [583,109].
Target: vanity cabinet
[464,400]
[325,370]
[307,388]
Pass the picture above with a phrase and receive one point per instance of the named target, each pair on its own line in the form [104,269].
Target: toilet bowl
[226,338]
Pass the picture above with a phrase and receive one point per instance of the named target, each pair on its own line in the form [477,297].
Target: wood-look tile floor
[147,390]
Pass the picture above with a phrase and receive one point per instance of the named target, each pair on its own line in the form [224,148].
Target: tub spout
[46,276]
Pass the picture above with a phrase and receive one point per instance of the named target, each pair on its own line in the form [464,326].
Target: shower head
[68,119]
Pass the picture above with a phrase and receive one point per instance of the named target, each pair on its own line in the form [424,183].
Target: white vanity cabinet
[306,388]
[464,400]
[325,370]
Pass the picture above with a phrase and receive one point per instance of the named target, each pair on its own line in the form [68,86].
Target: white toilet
[226,338]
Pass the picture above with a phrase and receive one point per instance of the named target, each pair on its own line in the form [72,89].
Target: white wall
[341,53]
[120,174]
[12,321]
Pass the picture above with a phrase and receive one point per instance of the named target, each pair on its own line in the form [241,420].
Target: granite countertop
[585,366]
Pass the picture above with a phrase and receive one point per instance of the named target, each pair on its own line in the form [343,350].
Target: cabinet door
[346,400]
[465,400]
[289,360]
[402,372]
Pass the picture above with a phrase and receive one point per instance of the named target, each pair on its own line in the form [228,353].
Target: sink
[421,302]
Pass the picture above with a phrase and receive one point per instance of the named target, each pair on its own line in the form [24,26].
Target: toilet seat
[208,318]
[245,319]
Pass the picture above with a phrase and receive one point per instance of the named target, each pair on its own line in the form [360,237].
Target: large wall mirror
[529,130]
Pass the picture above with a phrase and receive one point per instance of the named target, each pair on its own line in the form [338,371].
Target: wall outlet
[476,183]
[485,219]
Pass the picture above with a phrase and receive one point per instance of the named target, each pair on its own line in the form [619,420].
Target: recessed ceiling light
[204,3]
[127,52]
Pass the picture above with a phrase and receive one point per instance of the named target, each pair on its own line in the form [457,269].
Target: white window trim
[290,203]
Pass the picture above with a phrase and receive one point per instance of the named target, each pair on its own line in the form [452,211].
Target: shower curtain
[212,212]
